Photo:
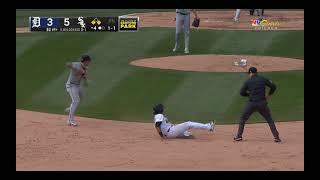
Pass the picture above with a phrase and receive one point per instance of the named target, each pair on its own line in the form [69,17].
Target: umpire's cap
[158,109]
[252,70]
[85,58]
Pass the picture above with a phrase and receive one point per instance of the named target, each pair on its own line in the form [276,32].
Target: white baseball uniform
[172,131]
[74,89]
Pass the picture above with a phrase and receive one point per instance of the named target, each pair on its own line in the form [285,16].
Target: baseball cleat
[187,133]
[186,51]
[212,124]
[72,123]
[277,140]
[174,50]
[235,19]
[67,110]
[237,138]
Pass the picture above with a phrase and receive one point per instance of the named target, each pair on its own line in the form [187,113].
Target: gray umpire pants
[264,110]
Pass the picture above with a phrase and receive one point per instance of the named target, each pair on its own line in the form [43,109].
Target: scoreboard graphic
[84,24]
[128,23]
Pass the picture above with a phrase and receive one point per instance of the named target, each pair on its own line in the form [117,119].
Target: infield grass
[123,92]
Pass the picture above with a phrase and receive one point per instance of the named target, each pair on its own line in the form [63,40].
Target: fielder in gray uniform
[259,14]
[78,72]
[237,15]
[183,22]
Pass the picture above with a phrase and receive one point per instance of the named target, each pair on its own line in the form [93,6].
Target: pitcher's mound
[221,63]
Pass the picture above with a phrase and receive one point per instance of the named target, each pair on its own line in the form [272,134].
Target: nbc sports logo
[259,22]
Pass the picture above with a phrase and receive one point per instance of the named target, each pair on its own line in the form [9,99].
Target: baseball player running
[78,71]
[168,130]
[183,22]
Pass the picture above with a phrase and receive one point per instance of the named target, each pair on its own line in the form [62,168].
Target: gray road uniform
[74,89]
[183,23]
[237,14]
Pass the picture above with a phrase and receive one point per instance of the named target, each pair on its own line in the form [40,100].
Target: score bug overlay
[128,23]
[84,24]
[57,24]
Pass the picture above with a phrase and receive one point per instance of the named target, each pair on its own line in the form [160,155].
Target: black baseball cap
[85,58]
[158,109]
[252,70]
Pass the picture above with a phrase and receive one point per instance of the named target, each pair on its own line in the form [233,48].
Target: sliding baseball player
[168,130]
[78,72]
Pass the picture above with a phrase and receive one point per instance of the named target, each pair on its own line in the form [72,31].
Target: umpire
[255,89]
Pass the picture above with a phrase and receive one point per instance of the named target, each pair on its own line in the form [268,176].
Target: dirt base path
[45,142]
[221,63]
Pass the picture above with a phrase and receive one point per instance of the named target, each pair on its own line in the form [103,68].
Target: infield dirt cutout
[221,63]
[45,142]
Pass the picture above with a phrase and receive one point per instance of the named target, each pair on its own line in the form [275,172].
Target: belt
[182,13]
[70,84]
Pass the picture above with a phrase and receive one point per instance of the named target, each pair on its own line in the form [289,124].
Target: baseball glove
[196,22]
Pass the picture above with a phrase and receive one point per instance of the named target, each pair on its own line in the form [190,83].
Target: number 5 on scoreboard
[66,22]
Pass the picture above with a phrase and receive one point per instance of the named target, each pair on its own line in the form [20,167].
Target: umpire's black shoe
[237,138]
[277,140]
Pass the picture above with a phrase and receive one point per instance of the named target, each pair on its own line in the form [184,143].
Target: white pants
[179,129]
[75,94]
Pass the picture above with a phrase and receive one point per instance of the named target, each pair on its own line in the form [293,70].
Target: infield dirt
[45,142]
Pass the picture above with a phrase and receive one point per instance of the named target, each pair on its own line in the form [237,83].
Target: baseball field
[130,72]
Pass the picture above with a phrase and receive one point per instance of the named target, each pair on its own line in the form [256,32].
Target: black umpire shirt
[255,88]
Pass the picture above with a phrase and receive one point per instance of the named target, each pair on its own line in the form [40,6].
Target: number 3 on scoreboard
[66,22]
[49,21]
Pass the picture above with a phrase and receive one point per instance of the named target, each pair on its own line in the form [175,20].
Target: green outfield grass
[123,92]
